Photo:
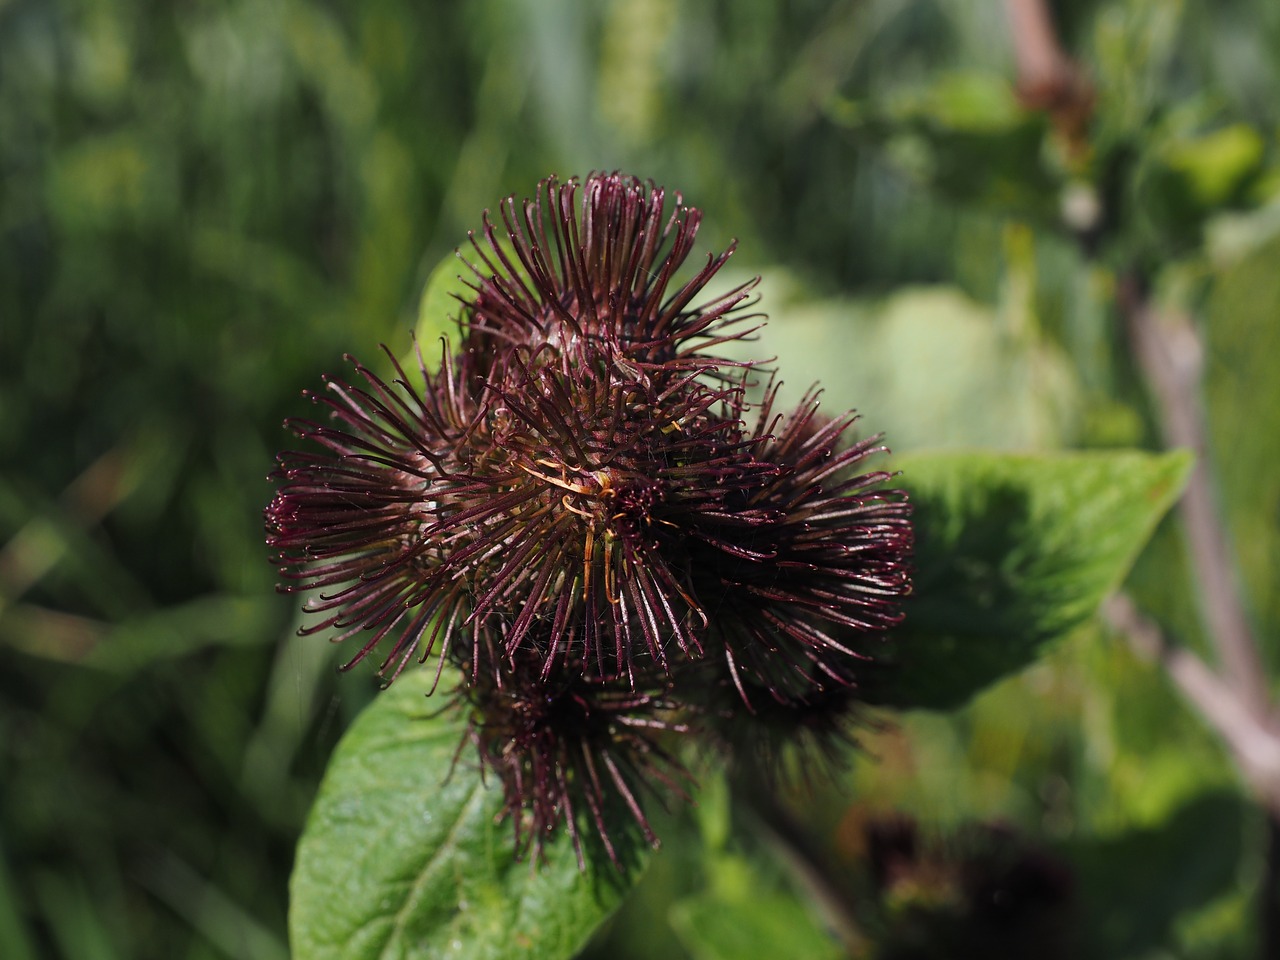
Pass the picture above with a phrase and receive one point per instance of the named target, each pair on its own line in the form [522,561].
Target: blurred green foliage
[204,204]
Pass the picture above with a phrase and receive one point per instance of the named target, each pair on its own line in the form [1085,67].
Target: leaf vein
[437,860]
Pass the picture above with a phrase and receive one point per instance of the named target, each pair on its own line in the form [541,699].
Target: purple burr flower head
[576,750]
[353,519]
[580,509]
[594,265]
[817,573]
[553,472]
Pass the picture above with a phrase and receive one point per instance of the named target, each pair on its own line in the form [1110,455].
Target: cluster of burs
[597,528]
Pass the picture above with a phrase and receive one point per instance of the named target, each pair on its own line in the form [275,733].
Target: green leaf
[902,362]
[1013,551]
[438,308]
[403,855]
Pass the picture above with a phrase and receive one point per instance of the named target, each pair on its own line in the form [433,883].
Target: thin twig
[1048,79]
[1254,741]
[1041,61]
[1236,701]
[1169,352]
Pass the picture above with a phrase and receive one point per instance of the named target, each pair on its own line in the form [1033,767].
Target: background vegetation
[203,205]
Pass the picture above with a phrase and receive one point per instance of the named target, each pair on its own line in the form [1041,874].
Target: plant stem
[1041,62]
[1235,701]
[1254,742]
[1169,352]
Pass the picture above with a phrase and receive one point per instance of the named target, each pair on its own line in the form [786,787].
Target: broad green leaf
[903,361]
[1013,551]
[403,856]
[438,308]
